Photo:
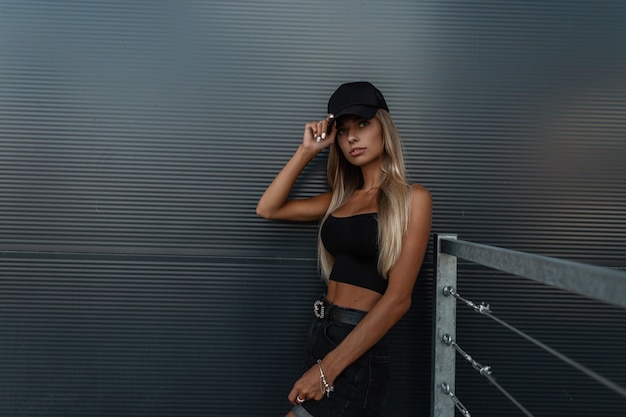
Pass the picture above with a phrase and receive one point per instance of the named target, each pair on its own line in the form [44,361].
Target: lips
[356,151]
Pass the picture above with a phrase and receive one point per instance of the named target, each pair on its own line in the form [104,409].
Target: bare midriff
[351,296]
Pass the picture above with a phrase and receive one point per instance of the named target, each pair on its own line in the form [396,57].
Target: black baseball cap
[359,98]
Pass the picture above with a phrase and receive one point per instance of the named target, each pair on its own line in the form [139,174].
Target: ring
[300,400]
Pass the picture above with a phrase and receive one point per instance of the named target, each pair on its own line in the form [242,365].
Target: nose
[352,137]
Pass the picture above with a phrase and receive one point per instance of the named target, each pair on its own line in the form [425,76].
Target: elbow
[266,212]
[259,211]
[262,212]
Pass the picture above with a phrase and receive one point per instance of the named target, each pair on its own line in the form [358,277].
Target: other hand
[308,387]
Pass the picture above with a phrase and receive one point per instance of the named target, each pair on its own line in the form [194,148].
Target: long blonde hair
[393,198]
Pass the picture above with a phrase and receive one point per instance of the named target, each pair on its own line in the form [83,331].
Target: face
[360,140]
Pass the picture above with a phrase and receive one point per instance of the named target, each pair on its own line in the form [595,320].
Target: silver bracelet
[324,387]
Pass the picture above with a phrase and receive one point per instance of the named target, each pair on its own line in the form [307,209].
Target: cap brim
[366,112]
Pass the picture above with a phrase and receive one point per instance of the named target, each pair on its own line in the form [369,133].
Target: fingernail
[318,139]
[324,135]
[331,116]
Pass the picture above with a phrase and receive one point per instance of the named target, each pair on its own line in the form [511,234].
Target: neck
[371,177]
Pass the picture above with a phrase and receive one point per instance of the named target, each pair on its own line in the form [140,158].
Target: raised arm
[274,203]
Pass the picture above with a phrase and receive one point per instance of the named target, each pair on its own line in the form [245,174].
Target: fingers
[307,388]
[320,130]
[296,397]
[322,125]
[326,126]
[299,393]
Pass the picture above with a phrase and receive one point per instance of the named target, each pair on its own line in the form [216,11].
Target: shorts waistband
[324,309]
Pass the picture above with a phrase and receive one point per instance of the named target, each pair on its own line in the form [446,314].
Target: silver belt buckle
[318,309]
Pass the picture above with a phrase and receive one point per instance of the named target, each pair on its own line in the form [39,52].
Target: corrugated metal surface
[111,335]
[136,137]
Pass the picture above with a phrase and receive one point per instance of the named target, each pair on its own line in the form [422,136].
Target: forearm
[277,193]
[374,326]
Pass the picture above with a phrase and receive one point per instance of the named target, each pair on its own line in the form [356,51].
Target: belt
[324,309]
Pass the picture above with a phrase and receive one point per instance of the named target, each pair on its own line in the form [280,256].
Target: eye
[341,131]
[364,123]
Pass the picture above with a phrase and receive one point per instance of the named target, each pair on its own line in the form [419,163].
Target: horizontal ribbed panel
[128,130]
[136,137]
[105,337]
[100,336]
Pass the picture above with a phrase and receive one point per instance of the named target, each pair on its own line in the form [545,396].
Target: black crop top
[353,242]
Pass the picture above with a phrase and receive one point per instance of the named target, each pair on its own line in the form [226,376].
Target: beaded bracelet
[324,387]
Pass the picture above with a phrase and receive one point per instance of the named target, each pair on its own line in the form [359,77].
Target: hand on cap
[317,135]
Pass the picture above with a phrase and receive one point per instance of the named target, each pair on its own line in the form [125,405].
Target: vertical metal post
[444,323]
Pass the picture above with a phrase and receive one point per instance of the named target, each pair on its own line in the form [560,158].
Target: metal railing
[603,284]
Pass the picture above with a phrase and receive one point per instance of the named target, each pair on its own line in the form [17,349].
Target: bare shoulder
[420,196]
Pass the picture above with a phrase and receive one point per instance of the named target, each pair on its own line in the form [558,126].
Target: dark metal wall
[136,137]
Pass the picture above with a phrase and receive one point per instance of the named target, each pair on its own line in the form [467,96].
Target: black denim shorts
[361,389]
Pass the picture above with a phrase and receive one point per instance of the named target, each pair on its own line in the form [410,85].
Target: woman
[374,233]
